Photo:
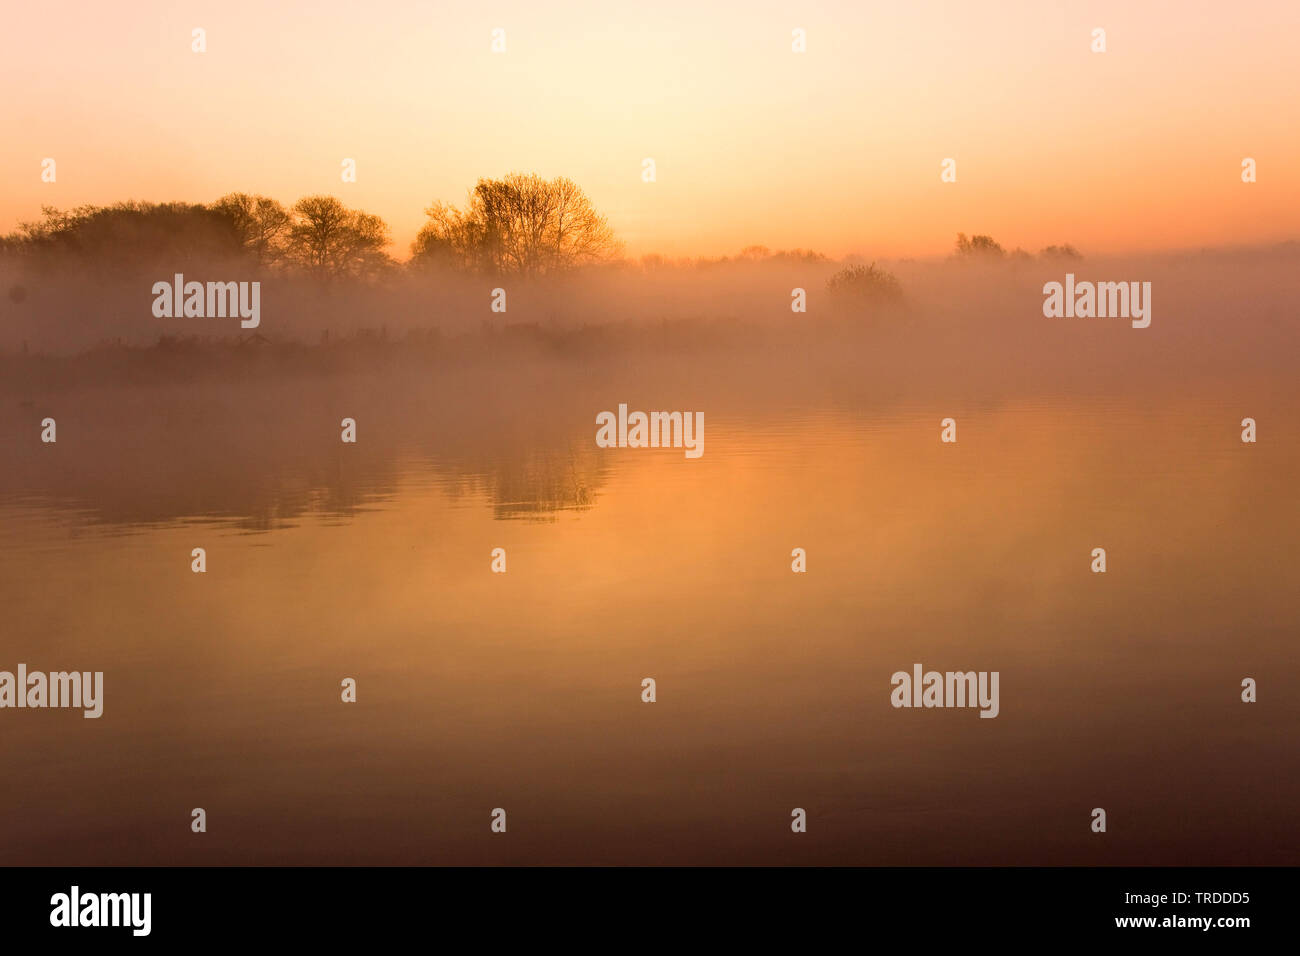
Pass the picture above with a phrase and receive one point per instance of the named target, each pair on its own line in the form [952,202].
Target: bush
[865,284]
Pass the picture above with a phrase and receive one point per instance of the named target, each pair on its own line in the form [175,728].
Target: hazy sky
[836,149]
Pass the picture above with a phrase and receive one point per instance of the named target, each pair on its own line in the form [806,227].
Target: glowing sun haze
[837,149]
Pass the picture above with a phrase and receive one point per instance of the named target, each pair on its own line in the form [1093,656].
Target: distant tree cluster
[1066,251]
[750,255]
[986,248]
[318,235]
[978,247]
[123,233]
[518,225]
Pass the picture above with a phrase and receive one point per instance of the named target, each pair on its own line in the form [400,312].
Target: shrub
[865,284]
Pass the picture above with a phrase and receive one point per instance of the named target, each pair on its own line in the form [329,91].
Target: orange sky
[836,149]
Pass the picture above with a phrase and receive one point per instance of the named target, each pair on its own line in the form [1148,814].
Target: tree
[577,234]
[522,225]
[451,238]
[978,247]
[329,240]
[261,223]
[128,235]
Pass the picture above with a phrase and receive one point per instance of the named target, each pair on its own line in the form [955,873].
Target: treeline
[987,248]
[519,225]
[317,235]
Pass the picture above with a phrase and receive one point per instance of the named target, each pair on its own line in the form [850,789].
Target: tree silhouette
[978,247]
[261,223]
[329,240]
[521,224]
[127,235]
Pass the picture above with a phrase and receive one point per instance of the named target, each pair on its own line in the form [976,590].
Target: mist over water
[477,430]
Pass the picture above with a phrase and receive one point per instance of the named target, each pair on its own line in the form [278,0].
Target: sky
[837,149]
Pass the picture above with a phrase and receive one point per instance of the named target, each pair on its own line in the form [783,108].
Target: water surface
[479,690]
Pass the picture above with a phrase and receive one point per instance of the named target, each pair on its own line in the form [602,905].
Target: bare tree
[262,223]
[581,234]
[451,238]
[330,240]
[521,224]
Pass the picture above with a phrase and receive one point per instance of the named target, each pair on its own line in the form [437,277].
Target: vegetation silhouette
[77,281]
[327,240]
[518,225]
[978,247]
[125,234]
[865,285]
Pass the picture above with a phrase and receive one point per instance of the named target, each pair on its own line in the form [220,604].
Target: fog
[161,418]
[1227,309]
